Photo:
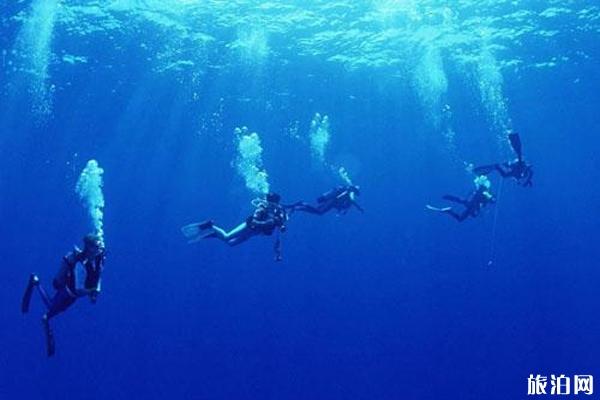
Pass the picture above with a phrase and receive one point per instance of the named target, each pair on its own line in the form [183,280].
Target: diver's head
[273,197]
[92,244]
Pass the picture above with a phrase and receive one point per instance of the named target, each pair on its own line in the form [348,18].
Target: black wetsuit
[67,290]
[65,283]
[518,169]
[267,218]
[473,205]
[339,198]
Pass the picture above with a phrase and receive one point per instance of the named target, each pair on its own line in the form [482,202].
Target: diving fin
[515,142]
[192,231]
[200,236]
[438,209]
[50,346]
[33,281]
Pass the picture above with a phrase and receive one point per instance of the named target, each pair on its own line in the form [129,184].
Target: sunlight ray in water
[34,46]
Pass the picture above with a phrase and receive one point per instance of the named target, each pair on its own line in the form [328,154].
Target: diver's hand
[94,296]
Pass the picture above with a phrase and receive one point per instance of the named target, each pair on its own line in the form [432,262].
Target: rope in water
[493,244]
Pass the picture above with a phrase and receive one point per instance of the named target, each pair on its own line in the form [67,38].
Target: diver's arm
[502,171]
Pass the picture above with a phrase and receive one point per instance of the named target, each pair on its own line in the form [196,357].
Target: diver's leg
[44,295]
[324,207]
[60,302]
[454,199]
[459,217]
[240,236]
[305,207]
[233,235]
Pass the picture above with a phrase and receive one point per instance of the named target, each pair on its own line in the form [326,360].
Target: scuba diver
[341,198]
[518,169]
[69,283]
[473,205]
[269,216]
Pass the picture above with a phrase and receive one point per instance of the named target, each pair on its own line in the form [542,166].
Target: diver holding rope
[269,217]
[517,169]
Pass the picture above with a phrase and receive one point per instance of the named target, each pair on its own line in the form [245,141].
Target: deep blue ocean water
[395,303]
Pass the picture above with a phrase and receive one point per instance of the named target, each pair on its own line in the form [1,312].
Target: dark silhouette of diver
[268,217]
[340,198]
[69,283]
[518,169]
[473,205]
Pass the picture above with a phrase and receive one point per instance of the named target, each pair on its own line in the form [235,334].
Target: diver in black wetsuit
[68,283]
[473,205]
[518,169]
[341,199]
[269,217]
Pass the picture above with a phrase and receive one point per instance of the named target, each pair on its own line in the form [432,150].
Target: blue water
[395,303]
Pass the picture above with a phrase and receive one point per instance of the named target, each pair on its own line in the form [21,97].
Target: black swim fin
[33,280]
[438,209]
[50,347]
[515,142]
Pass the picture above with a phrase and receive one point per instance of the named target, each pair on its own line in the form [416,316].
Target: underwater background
[395,303]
